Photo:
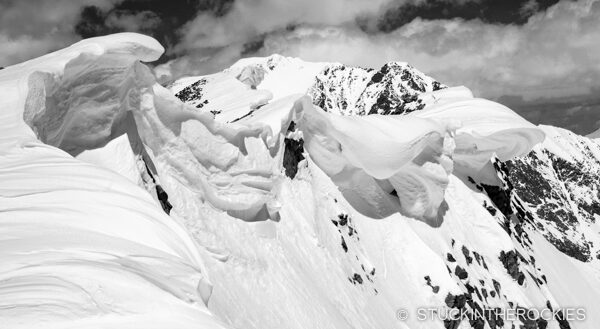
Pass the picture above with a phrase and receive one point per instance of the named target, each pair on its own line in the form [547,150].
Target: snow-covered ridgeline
[216,172]
[486,266]
[82,246]
[469,130]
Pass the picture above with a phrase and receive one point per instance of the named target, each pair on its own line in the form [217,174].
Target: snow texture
[82,246]
[383,212]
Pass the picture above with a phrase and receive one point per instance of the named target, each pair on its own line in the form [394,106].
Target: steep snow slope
[478,253]
[81,246]
[304,218]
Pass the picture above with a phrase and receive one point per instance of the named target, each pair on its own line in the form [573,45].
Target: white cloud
[140,21]
[249,18]
[553,54]
[34,27]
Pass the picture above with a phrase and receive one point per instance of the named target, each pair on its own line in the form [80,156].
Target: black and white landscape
[146,184]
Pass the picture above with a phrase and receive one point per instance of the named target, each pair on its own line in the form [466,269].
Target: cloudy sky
[540,57]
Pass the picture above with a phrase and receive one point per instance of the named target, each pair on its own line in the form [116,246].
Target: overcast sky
[540,57]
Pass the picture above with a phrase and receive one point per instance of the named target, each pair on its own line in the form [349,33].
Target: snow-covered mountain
[300,195]
[396,88]
[559,188]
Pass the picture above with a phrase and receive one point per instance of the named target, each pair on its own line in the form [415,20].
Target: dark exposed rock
[456,301]
[201,105]
[435,289]
[344,246]
[293,153]
[467,255]
[496,286]
[478,257]
[546,184]
[484,263]
[499,197]
[579,251]
[357,278]
[451,324]
[343,219]
[249,113]
[527,317]
[460,273]
[510,260]
[450,258]
[163,198]
[494,318]
[161,194]
[192,92]
[562,320]
[393,89]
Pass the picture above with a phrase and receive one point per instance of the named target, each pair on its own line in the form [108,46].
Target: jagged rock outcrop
[393,89]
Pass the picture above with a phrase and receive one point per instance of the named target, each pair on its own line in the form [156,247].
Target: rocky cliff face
[559,188]
[393,89]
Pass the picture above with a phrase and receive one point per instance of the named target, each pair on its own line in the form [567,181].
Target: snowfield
[234,201]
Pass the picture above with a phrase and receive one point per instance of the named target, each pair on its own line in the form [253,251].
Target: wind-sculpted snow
[340,267]
[483,128]
[394,144]
[372,157]
[279,198]
[82,246]
[233,167]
